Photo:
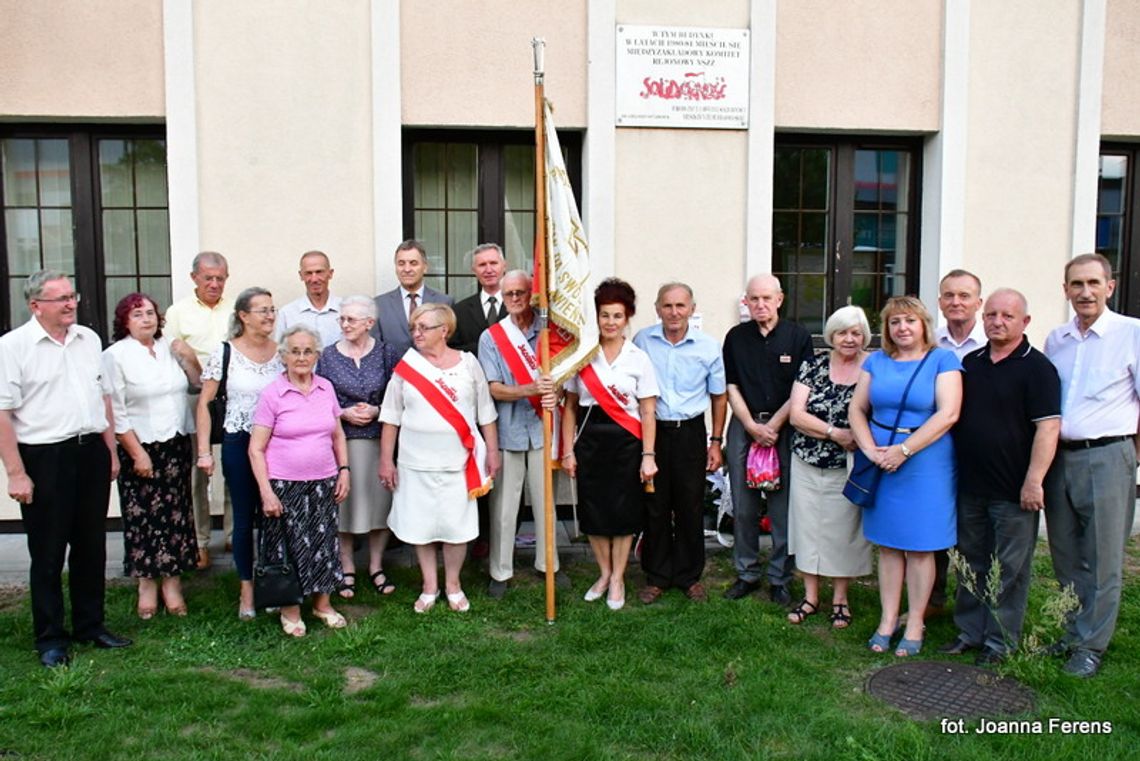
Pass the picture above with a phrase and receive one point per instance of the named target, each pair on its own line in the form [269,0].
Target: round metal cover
[936,689]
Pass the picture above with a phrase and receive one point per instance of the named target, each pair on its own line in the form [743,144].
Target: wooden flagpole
[541,281]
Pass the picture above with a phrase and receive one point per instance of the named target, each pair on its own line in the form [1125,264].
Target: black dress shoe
[957,647]
[779,594]
[1083,664]
[107,641]
[1059,649]
[990,657]
[55,656]
[741,588]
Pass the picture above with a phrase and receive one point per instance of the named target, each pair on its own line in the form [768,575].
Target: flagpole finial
[539,45]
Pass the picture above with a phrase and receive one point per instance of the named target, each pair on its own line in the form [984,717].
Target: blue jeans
[246,498]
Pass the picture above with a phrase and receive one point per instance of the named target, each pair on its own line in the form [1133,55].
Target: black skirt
[610,492]
[158,519]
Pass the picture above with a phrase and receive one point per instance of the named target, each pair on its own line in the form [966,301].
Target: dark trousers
[989,528]
[746,509]
[66,517]
[246,498]
[673,544]
[941,577]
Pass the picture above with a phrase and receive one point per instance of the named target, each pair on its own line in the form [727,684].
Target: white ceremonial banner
[695,77]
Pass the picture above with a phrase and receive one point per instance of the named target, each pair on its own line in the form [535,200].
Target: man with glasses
[394,307]
[507,352]
[202,320]
[59,452]
[481,310]
[317,309]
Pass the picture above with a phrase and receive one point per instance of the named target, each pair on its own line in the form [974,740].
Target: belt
[74,441]
[1092,443]
[887,427]
[698,420]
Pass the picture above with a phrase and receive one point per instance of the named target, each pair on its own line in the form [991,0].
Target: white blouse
[244,382]
[631,373]
[149,394]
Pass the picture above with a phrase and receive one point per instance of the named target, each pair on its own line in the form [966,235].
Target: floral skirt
[158,520]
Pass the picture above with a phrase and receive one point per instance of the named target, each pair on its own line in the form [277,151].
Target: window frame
[87,225]
[839,247]
[491,177]
[1128,284]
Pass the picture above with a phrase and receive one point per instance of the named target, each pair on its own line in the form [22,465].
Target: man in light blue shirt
[690,373]
[507,353]
[1090,492]
[317,309]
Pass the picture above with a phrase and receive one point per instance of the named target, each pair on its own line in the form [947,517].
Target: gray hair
[666,287]
[209,259]
[470,256]
[34,285]
[846,317]
[298,330]
[517,274]
[366,303]
[314,252]
[241,304]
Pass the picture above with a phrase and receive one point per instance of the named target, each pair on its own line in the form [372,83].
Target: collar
[404,293]
[284,386]
[1101,327]
[977,335]
[658,331]
[206,306]
[331,305]
[40,333]
[1021,352]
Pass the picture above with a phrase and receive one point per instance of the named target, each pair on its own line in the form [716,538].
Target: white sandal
[425,602]
[458,602]
[293,628]
[332,619]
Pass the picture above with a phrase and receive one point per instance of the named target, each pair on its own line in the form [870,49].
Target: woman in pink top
[299,458]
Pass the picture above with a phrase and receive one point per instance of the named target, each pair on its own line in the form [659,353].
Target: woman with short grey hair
[359,367]
[825,531]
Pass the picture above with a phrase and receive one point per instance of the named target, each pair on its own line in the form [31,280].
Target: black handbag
[217,405]
[275,585]
[863,480]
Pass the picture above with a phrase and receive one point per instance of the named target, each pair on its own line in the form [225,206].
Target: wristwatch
[905,450]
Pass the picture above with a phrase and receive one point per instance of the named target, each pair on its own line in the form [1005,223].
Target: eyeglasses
[60,299]
[263,311]
[417,328]
[346,320]
[515,294]
[306,353]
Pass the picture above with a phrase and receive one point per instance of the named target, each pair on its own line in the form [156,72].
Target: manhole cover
[934,689]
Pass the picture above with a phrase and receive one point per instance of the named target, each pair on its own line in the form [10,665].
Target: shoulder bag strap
[906,393]
[226,370]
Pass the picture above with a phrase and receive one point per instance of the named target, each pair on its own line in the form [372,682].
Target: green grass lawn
[677,680]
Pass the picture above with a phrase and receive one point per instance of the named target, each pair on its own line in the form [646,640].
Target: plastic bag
[763,468]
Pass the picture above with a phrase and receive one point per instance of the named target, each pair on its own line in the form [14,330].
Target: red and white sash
[428,380]
[594,377]
[523,365]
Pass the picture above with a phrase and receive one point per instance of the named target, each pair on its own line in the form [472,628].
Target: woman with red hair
[148,380]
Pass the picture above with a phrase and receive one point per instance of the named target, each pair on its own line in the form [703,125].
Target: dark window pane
[150,172]
[462,176]
[816,178]
[58,240]
[153,241]
[785,240]
[22,232]
[115,176]
[1113,171]
[430,176]
[19,158]
[866,180]
[119,242]
[786,178]
[54,173]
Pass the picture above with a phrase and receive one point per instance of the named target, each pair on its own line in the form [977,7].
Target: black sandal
[800,613]
[380,581]
[348,584]
[840,616]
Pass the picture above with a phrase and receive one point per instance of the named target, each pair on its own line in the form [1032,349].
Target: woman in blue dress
[914,510]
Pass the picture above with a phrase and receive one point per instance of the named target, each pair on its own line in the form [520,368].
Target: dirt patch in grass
[358,680]
[11,595]
[354,612]
[257,680]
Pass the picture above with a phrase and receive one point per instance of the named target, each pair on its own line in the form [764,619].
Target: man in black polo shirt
[1005,439]
[761,360]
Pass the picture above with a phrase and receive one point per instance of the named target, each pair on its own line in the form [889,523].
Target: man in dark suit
[394,307]
[481,310]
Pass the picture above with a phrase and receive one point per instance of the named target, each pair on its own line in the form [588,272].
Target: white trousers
[505,512]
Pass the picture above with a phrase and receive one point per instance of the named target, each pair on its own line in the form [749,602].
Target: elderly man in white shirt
[1090,493]
[59,452]
[318,308]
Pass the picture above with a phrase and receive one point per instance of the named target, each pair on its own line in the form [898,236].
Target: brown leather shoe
[697,593]
[649,594]
[203,558]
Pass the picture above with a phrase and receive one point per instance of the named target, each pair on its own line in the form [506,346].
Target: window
[91,203]
[1117,236]
[462,188]
[844,224]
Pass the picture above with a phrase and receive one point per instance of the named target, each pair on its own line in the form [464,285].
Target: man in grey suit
[481,310]
[394,307]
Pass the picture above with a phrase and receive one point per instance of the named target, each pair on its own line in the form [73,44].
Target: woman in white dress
[437,403]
